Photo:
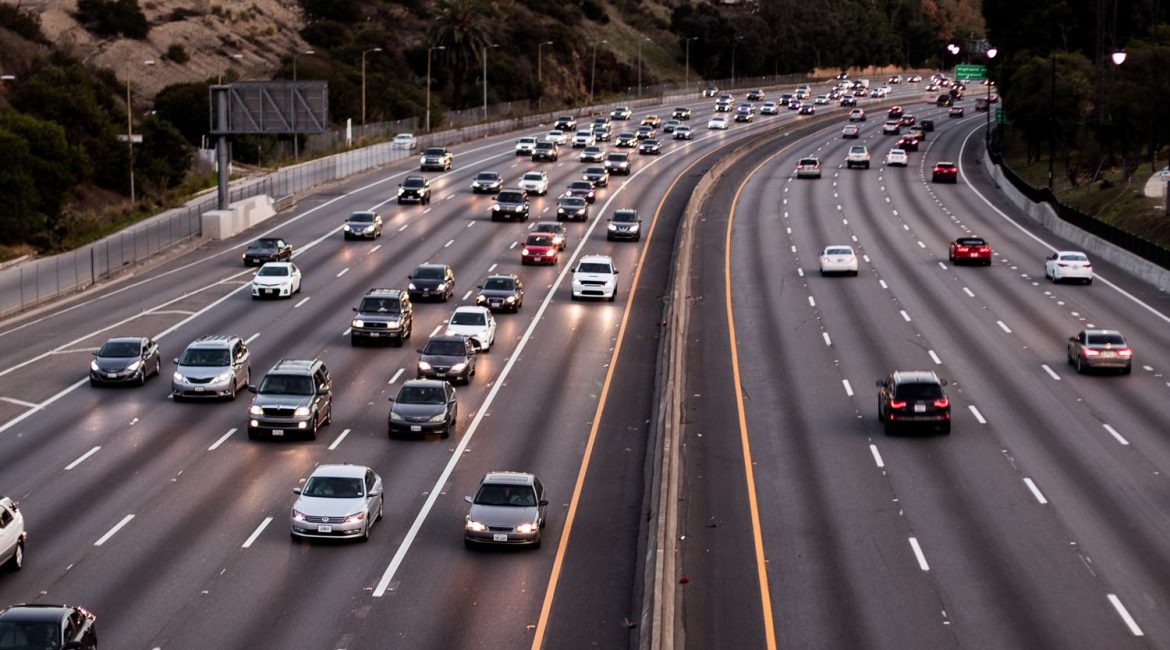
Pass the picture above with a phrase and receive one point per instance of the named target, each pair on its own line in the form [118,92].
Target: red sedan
[970,249]
[907,143]
[895,113]
[945,172]
[540,248]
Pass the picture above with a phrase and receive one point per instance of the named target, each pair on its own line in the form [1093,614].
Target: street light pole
[987,136]
[364,53]
[296,142]
[687,65]
[540,73]
[734,42]
[1052,118]
[485,52]
[130,128]
[593,73]
[644,40]
[430,51]
[238,57]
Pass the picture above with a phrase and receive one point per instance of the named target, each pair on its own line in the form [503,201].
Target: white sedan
[534,183]
[839,259]
[404,141]
[556,136]
[276,280]
[717,122]
[476,323]
[1068,265]
[897,158]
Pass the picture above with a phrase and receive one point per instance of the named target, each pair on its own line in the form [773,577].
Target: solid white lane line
[848,388]
[222,439]
[1050,371]
[302,301]
[828,341]
[20,402]
[1124,613]
[466,295]
[113,531]
[1003,327]
[374,249]
[248,341]
[1035,491]
[403,227]
[942,266]
[438,328]
[977,414]
[934,357]
[397,375]
[448,244]
[883,283]
[339,439]
[513,245]
[877,457]
[969,293]
[1113,432]
[492,268]
[343,272]
[81,458]
[812,302]
[905,316]
[256,533]
[918,554]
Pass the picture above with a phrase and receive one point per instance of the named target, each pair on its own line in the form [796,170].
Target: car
[624,224]
[927,125]
[918,132]
[12,536]
[858,156]
[621,113]
[913,397]
[891,127]
[597,175]
[850,131]
[124,360]
[726,97]
[970,249]
[423,406]
[914,78]
[414,189]
[583,189]
[572,207]
[383,314]
[874,93]
[405,141]
[907,143]
[510,204]
[769,108]
[618,162]
[565,123]
[212,366]
[808,167]
[744,113]
[981,104]
[681,113]
[37,626]
[1099,348]
[897,158]
[894,113]
[626,140]
[540,248]
[803,92]
[594,277]
[534,182]
[848,100]
[431,281]
[276,280]
[1068,265]
[838,259]
[670,125]
[436,158]
[337,502]
[795,105]
[525,145]
[556,136]
[556,230]
[944,172]
[601,133]
[907,119]
[821,100]
[945,99]
[501,292]
[755,95]
[447,357]
[267,249]
[592,154]
[718,122]
[475,323]
[807,108]
[546,151]
[857,115]
[683,132]
[842,75]
[652,121]
[295,397]
[723,106]
[487,183]
[646,132]
[955,111]
[508,509]
[363,224]
[650,147]
[583,138]
[710,91]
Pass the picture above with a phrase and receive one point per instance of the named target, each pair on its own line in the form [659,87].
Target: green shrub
[24,23]
[113,17]
[177,53]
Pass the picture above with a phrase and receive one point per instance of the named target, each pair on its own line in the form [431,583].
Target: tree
[19,220]
[164,157]
[463,28]
[187,107]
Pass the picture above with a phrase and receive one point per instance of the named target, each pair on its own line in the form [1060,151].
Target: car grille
[593,283]
[324,520]
[418,418]
[279,411]
[375,325]
[500,529]
[199,380]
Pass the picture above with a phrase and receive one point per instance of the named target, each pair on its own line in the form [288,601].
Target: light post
[237,57]
[644,40]
[687,65]
[364,53]
[430,51]
[540,72]
[593,70]
[734,42]
[987,141]
[1051,117]
[130,127]
[297,55]
[485,52]
[954,50]
[296,142]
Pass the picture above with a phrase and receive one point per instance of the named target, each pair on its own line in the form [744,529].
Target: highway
[171,526]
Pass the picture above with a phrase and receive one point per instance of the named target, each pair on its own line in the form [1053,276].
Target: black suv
[382,314]
[565,123]
[35,625]
[511,204]
[913,397]
[545,151]
[432,281]
[499,292]
[415,189]
[295,398]
[267,249]
[447,357]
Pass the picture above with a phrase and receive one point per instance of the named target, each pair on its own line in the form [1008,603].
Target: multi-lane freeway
[1038,522]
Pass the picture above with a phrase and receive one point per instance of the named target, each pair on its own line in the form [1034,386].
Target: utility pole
[130,128]
[687,65]
[593,73]
[540,73]
[364,53]
[644,40]
[485,53]
[430,51]
[296,142]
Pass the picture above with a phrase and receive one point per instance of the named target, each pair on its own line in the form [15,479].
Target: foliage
[463,29]
[341,11]
[41,167]
[177,53]
[594,11]
[113,17]
[185,106]
[164,157]
[21,22]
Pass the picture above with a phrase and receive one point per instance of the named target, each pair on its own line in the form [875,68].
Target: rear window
[1105,339]
[918,391]
[971,241]
[809,162]
[510,197]
[617,157]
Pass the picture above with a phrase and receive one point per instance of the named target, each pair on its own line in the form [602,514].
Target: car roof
[342,470]
[213,341]
[36,612]
[423,383]
[503,276]
[295,365]
[471,308]
[513,478]
[915,377]
[597,258]
[430,265]
[381,292]
[1100,332]
[126,339]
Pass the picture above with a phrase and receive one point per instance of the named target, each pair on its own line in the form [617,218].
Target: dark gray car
[295,398]
[125,360]
[509,508]
[499,292]
[432,281]
[511,204]
[424,406]
[363,225]
[447,357]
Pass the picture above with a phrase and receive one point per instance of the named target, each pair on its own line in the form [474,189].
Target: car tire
[446,433]
[312,432]
[93,383]
[468,544]
[536,544]
[853,273]
[328,416]
[142,377]
[613,296]
[365,537]
[158,368]
[890,427]
[16,562]
[1127,370]
[1089,281]
[355,341]
[945,428]
[1080,365]
[252,435]
[381,507]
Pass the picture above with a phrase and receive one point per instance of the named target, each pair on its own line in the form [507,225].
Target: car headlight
[256,409]
[459,367]
[411,286]
[442,286]
[423,365]
[356,517]
[510,299]
[298,515]
[301,411]
[223,376]
[524,251]
[438,418]
[369,229]
[357,322]
[177,377]
[395,417]
[480,299]
[401,191]
[496,208]
[393,324]
[527,528]
[613,226]
[94,366]
[560,211]
[475,526]
[345,227]
[422,160]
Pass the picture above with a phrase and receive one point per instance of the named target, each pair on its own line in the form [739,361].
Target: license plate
[278,432]
[324,529]
[373,334]
[1106,355]
[499,537]
[111,375]
[415,427]
[920,408]
[198,389]
[496,303]
[974,254]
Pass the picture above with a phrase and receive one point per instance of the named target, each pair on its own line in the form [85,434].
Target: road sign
[1001,117]
[975,72]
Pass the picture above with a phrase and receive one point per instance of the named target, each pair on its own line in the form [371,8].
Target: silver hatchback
[508,509]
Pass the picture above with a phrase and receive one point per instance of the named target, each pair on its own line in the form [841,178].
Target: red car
[907,143]
[970,249]
[945,172]
[907,120]
[895,113]
[540,248]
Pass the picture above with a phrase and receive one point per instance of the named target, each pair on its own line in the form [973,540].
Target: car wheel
[536,544]
[1089,281]
[253,435]
[328,416]
[142,377]
[16,562]
[468,544]
[355,341]
[93,383]
[158,368]
[446,431]
[1080,365]
[365,532]
[232,394]
[613,296]
[312,434]
[945,428]
[891,428]
[1127,370]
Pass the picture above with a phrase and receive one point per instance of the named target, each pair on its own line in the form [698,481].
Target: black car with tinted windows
[40,626]
[423,406]
[624,224]
[575,208]
[596,175]
[447,357]
[414,189]
[511,204]
[650,147]
[626,140]
[915,398]
[383,314]
[500,292]
[618,163]
[432,281]
[267,249]
[583,189]
[125,360]
[681,113]
[565,123]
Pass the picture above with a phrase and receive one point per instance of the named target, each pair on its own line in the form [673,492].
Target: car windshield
[839,251]
[544,145]
[287,385]
[918,391]
[581,185]
[1105,339]
[265,244]
[403,136]
[207,357]
[119,349]
[434,152]
[504,494]
[527,140]
[533,176]
[551,228]
[468,318]
[487,176]
[593,267]
[510,197]
[599,171]
[499,284]
[379,306]
[362,217]
[445,348]
[420,395]
[334,487]
[414,183]
[625,216]
[616,157]
[30,635]
[273,271]
[539,240]
[428,273]
[572,202]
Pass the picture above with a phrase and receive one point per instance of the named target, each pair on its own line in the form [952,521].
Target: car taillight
[961,249]
[897,404]
[1124,352]
[942,403]
[1090,352]
[1063,265]
[984,249]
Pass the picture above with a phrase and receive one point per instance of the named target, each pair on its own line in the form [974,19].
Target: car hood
[426,282]
[419,412]
[329,507]
[599,277]
[360,225]
[271,281]
[540,249]
[375,317]
[114,364]
[501,516]
[202,372]
[467,330]
[497,293]
[442,359]
[268,400]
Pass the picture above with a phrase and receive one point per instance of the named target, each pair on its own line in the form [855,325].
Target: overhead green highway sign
[976,72]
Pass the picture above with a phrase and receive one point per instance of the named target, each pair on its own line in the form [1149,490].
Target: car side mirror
[467,499]
[355,309]
[175,360]
[410,277]
[373,493]
[95,353]
[943,382]
[544,502]
[390,399]
[324,390]
[296,490]
[252,389]
[479,286]
[1072,339]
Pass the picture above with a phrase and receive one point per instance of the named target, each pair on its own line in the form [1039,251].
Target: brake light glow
[1090,352]
[1124,352]
[897,404]
[942,403]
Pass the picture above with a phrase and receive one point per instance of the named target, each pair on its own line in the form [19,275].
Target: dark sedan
[423,406]
[267,249]
[572,207]
[447,357]
[626,140]
[597,175]
[487,183]
[583,189]
[511,204]
[125,360]
[500,292]
[650,147]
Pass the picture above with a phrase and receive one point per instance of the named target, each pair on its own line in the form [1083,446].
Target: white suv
[534,183]
[858,156]
[525,145]
[12,535]
[583,138]
[595,277]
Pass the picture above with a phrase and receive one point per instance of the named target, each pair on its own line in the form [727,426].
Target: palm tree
[463,28]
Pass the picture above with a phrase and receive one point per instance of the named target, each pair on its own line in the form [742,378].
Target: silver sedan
[338,502]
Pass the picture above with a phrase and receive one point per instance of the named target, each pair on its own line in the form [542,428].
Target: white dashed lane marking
[1117,436]
[222,439]
[877,456]
[918,554]
[1050,371]
[256,533]
[81,458]
[1035,491]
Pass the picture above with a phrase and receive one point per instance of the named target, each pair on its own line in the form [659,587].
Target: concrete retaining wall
[241,215]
